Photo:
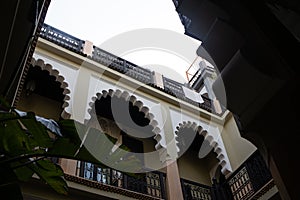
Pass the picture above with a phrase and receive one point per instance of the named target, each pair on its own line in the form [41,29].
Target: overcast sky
[101,20]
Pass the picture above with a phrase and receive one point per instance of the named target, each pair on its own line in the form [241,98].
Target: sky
[104,22]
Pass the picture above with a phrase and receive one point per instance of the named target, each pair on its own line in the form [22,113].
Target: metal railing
[62,39]
[121,65]
[174,88]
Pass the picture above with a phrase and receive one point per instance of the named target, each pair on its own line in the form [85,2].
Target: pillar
[173,184]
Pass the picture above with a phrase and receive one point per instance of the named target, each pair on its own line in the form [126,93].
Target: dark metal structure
[21,21]
[255,47]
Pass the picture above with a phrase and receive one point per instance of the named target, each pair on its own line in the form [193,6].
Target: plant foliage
[26,146]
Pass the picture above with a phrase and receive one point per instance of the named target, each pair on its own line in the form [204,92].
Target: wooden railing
[195,191]
[251,177]
[150,183]
[243,184]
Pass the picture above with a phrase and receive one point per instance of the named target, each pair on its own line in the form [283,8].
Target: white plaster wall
[92,82]
[238,148]
[194,169]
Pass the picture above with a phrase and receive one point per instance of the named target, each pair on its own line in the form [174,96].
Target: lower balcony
[251,181]
[150,185]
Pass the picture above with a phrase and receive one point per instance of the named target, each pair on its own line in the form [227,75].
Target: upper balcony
[151,78]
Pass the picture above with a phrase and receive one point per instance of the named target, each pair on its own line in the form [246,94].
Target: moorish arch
[58,78]
[191,134]
[105,103]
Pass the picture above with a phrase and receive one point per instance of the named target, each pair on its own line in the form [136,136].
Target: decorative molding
[215,143]
[135,102]
[64,85]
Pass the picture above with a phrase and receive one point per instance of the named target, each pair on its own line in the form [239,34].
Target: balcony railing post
[184,192]
[111,176]
[162,185]
[173,184]
[125,181]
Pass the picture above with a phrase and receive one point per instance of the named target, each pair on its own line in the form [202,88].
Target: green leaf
[23,136]
[6,116]
[64,148]
[52,174]
[23,173]
[92,145]
[13,139]
[37,131]
[72,130]
[74,146]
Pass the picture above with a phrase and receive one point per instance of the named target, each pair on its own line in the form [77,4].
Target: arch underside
[127,110]
[208,143]
[59,78]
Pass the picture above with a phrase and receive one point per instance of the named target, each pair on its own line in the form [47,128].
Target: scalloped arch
[59,78]
[135,102]
[213,142]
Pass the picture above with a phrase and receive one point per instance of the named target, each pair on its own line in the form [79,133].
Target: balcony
[150,185]
[250,181]
[123,66]
[195,191]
